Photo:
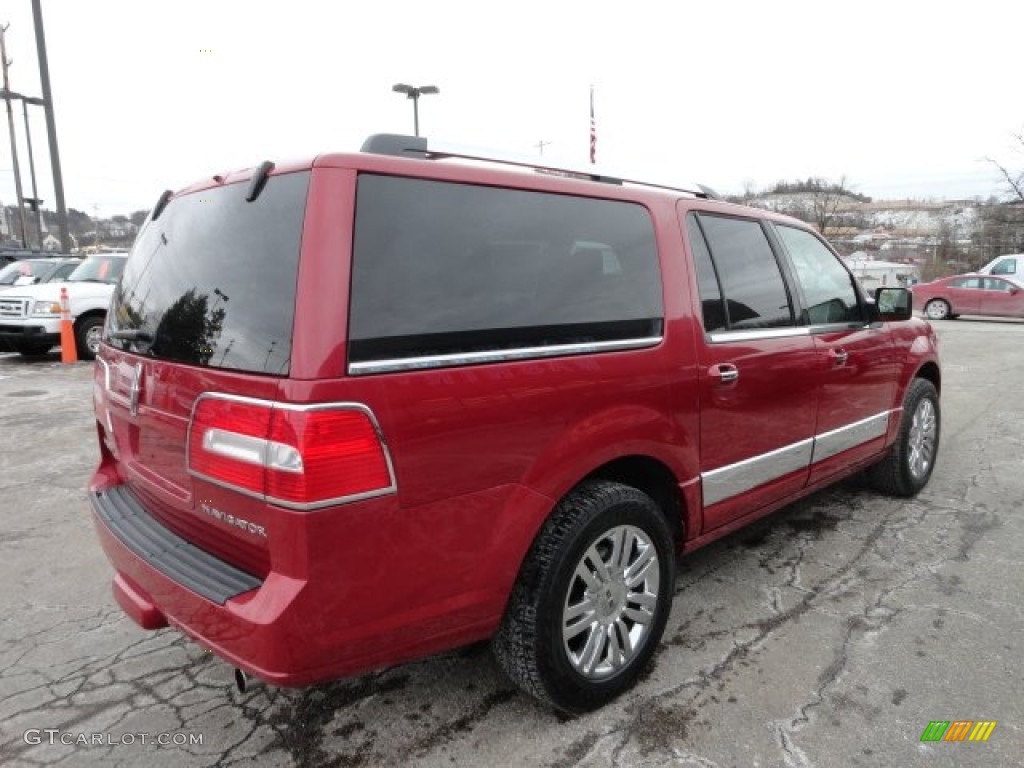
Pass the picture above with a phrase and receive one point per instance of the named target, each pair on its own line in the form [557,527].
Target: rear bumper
[285,630]
[167,552]
[161,579]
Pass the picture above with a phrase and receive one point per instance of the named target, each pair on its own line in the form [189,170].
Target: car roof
[499,173]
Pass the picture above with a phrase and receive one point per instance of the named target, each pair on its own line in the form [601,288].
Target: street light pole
[51,129]
[414,93]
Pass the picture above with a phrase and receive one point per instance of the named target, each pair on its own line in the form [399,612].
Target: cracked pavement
[828,634]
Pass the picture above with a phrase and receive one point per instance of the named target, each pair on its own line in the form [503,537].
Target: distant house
[51,243]
[874,274]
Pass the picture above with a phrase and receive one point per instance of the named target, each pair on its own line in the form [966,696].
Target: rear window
[448,269]
[212,281]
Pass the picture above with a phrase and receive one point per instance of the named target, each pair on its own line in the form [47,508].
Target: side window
[993,284]
[451,269]
[751,282]
[707,281]
[827,286]
[973,283]
[1005,267]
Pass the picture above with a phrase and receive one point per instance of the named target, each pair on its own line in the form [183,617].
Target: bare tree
[825,200]
[1014,179]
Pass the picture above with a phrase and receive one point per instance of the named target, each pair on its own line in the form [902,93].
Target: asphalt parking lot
[829,634]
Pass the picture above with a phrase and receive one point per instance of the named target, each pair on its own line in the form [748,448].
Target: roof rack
[397,145]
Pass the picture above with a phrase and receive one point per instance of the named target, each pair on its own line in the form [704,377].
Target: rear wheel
[937,309]
[907,466]
[88,333]
[592,598]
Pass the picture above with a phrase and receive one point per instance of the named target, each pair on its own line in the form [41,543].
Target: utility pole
[5,62]
[540,145]
[37,204]
[51,128]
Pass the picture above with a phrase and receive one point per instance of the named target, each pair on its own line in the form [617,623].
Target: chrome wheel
[92,338]
[937,309]
[922,439]
[611,601]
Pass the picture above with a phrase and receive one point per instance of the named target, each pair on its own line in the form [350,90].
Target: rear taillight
[299,457]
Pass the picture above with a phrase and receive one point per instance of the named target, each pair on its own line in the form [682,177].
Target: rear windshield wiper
[131,334]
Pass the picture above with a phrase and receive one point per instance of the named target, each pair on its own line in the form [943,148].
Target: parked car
[972,294]
[374,406]
[30,314]
[32,271]
[1011,265]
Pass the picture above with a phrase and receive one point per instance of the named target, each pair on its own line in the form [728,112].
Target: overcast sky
[904,98]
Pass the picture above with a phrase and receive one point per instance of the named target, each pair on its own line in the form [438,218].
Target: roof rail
[420,147]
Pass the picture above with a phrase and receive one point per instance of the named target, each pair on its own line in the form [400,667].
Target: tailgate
[205,305]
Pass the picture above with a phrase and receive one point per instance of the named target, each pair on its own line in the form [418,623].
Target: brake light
[340,451]
[297,457]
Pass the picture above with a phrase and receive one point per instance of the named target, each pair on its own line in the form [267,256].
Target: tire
[938,309]
[908,464]
[87,336]
[32,350]
[615,622]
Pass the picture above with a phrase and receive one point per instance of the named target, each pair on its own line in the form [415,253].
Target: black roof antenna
[165,198]
[259,180]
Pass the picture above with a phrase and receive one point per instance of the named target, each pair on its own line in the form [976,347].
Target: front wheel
[88,333]
[591,600]
[908,465]
[937,309]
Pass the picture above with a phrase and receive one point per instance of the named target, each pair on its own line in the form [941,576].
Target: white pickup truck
[30,314]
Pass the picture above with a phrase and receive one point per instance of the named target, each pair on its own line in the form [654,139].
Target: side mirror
[893,304]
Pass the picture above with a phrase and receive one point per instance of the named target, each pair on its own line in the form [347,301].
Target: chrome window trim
[391,488]
[853,325]
[496,356]
[733,479]
[828,444]
[720,337]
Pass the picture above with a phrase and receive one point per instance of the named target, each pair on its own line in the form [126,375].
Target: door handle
[726,373]
[838,356]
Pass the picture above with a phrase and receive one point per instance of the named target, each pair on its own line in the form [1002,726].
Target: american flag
[593,129]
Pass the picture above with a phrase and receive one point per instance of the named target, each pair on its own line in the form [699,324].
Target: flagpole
[593,129]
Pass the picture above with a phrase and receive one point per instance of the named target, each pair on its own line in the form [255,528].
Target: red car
[373,406]
[951,297]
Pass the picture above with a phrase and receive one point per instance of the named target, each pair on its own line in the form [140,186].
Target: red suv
[373,406]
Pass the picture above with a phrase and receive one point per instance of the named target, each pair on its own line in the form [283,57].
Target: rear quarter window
[443,269]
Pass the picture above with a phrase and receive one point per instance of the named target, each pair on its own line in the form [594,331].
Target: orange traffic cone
[68,353]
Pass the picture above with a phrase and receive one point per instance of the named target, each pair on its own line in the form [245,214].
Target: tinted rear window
[212,281]
[442,268]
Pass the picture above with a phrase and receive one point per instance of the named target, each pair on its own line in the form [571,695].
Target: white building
[876,274]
